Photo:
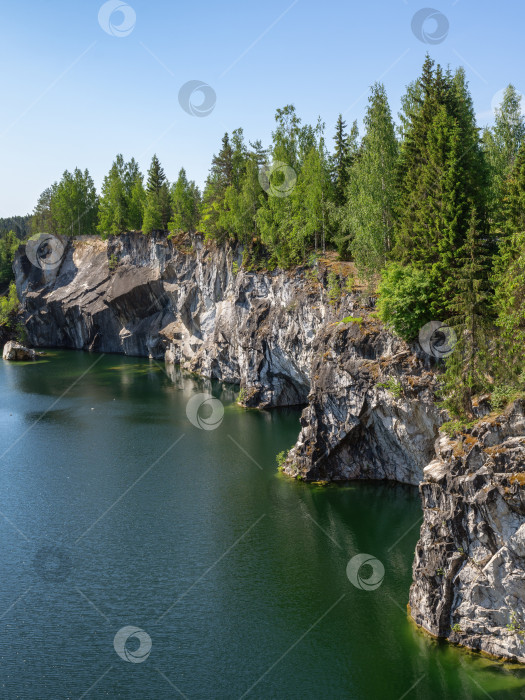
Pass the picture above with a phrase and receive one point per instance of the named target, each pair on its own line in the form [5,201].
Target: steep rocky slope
[274,333]
[469,567]
[370,411]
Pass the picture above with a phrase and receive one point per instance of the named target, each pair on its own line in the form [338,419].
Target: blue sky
[75,95]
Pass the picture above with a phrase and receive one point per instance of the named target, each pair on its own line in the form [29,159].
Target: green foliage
[73,205]
[349,284]
[122,201]
[352,319]
[368,218]
[185,204]
[393,385]
[453,428]
[514,625]
[344,155]
[502,395]
[441,176]
[456,628]
[281,459]
[8,306]
[334,287]
[501,145]
[157,208]
[8,246]
[468,367]
[405,295]
[113,262]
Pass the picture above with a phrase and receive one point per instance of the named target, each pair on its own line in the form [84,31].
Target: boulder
[15,351]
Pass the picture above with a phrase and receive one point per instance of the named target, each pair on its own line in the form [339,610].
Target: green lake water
[117,512]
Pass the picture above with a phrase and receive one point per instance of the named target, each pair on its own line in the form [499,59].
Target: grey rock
[16,352]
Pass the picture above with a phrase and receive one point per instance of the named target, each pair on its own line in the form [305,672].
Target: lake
[151,549]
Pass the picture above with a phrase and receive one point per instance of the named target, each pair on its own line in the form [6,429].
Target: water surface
[117,511]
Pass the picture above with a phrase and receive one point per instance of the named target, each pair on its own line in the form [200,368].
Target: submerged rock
[16,352]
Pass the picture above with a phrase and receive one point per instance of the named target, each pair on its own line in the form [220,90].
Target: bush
[334,288]
[405,296]
[393,385]
[501,396]
[281,459]
[8,305]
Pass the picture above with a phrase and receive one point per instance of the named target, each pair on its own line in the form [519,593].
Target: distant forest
[431,209]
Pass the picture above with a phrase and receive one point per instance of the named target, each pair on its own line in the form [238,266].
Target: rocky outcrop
[274,333]
[16,352]
[370,411]
[469,568]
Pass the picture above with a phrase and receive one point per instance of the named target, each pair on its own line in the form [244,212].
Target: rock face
[15,351]
[469,568]
[274,333]
[370,410]
[371,413]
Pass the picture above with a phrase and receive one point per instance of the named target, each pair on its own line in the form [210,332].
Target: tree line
[431,209]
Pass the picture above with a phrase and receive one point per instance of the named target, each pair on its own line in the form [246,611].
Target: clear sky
[76,94]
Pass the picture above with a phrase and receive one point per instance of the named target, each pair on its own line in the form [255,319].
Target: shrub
[281,459]
[405,296]
[393,385]
[334,288]
[8,305]
[501,396]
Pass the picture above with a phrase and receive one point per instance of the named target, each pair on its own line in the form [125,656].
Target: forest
[431,209]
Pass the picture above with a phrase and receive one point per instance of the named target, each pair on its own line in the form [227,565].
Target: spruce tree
[468,367]
[157,210]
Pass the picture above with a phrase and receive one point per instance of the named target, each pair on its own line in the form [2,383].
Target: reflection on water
[118,512]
